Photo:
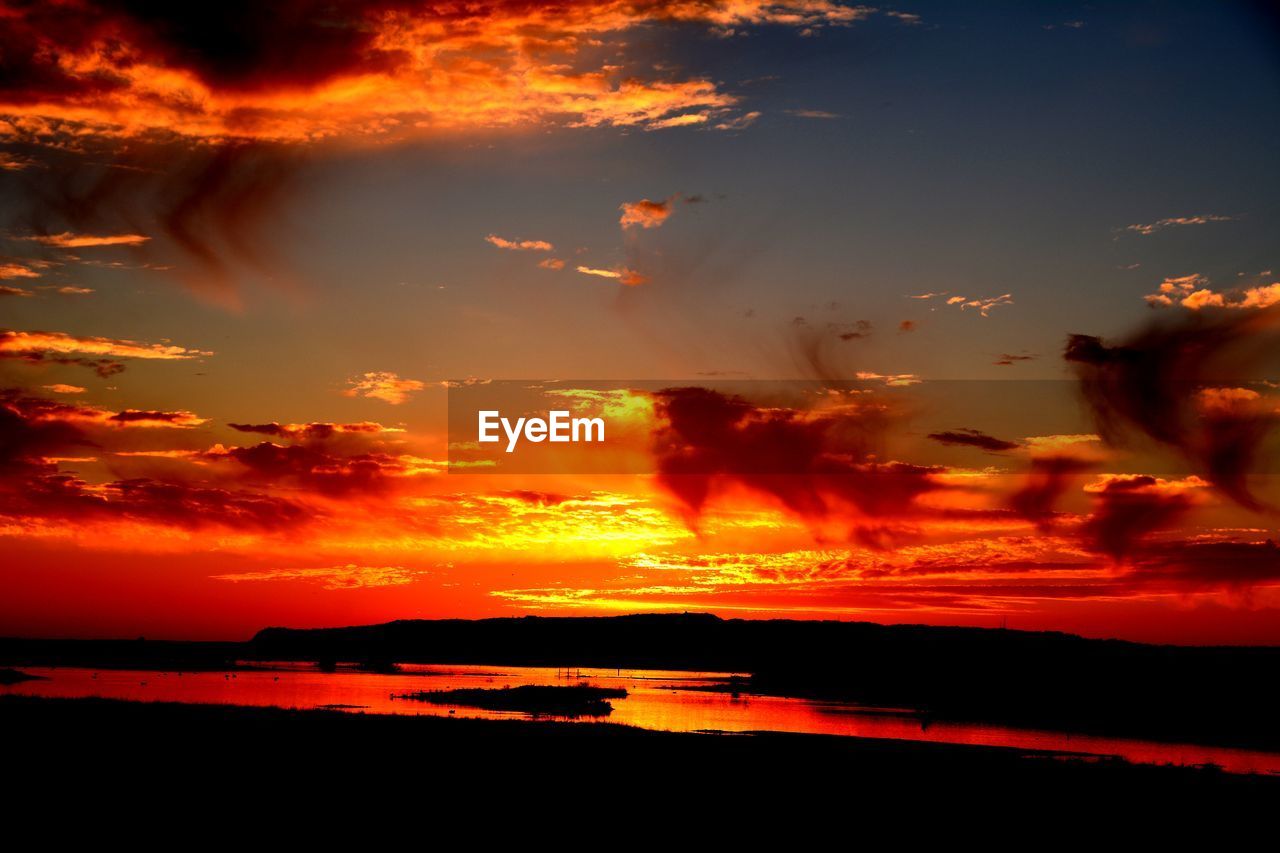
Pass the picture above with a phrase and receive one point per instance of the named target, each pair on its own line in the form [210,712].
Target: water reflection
[674,701]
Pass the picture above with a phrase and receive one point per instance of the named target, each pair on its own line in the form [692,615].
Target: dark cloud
[1152,385]
[67,498]
[104,367]
[1045,484]
[31,487]
[974,438]
[1195,566]
[1008,359]
[817,464]
[1129,509]
[314,469]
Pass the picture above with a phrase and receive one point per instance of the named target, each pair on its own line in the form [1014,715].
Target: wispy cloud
[10,271]
[68,240]
[519,245]
[349,576]
[13,342]
[623,275]
[819,114]
[383,385]
[1174,222]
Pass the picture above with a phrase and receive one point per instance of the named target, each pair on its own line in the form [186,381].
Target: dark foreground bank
[161,749]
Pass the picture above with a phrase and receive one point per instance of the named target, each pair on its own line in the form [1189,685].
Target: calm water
[657,700]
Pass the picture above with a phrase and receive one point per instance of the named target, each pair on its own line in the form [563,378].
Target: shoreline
[81,733]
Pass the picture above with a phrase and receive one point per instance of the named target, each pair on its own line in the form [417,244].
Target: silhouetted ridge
[1045,679]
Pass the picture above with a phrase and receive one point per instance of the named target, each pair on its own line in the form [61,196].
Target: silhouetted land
[14,676]
[1224,695]
[278,753]
[577,700]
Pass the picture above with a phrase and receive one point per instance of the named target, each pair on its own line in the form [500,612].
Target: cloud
[819,114]
[1131,507]
[18,343]
[37,409]
[683,120]
[315,431]
[383,385]
[645,213]
[60,388]
[817,463]
[355,71]
[200,121]
[974,438]
[12,271]
[984,304]
[623,275]
[1193,292]
[34,433]
[176,504]
[314,469]
[5,290]
[1007,359]
[69,290]
[349,576]
[551,264]
[67,240]
[1176,221]
[1047,481]
[741,122]
[519,245]
[137,417]
[1152,385]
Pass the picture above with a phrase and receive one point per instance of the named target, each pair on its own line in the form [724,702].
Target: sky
[945,313]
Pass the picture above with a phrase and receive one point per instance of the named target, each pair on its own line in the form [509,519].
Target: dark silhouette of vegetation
[579,700]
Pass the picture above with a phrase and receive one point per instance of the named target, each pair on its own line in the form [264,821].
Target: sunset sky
[249,257]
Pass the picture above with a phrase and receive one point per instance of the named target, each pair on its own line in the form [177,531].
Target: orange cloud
[5,290]
[67,240]
[519,245]
[334,577]
[8,271]
[364,70]
[623,275]
[18,343]
[385,386]
[1192,292]
[59,342]
[645,213]
[551,264]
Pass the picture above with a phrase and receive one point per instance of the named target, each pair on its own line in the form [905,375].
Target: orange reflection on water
[665,700]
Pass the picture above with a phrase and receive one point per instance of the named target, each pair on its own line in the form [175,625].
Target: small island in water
[580,700]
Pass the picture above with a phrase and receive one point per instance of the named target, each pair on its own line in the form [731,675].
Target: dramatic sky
[248,255]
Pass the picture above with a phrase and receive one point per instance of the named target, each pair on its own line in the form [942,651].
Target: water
[658,700]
